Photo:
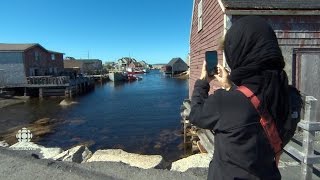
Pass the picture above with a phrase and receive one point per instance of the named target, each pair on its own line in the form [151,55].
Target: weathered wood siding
[294,32]
[11,69]
[179,66]
[207,39]
[44,63]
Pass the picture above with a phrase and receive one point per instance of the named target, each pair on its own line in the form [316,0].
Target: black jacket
[242,150]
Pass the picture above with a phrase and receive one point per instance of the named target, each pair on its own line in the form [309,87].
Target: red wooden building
[296,23]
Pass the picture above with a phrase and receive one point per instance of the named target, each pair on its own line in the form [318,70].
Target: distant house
[158,66]
[109,65]
[144,64]
[176,66]
[296,24]
[18,61]
[84,66]
[135,65]
[124,62]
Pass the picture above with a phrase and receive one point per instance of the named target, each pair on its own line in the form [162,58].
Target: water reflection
[141,116]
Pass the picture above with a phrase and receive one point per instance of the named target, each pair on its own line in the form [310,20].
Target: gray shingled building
[19,61]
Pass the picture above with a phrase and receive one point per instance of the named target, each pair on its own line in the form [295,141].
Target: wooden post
[308,137]
[70,92]
[41,93]
[25,92]
[66,93]
[77,89]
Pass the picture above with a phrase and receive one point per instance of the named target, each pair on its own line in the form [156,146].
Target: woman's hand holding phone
[223,77]
[204,73]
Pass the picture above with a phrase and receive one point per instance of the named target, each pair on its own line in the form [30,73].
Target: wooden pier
[47,86]
[98,77]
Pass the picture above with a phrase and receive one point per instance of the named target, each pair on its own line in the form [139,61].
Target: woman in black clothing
[242,150]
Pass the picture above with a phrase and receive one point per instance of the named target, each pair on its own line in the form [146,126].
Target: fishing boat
[135,70]
[132,77]
[146,70]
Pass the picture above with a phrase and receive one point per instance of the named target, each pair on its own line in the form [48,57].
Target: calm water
[141,117]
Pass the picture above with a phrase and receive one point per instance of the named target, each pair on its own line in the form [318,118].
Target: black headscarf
[253,54]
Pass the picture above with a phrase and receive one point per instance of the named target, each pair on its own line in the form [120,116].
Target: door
[306,74]
[36,72]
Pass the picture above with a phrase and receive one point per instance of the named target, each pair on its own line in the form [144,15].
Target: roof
[72,64]
[54,52]
[89,60]
[127,60]
[22,47]
[174,60]
[16,47]
[272,4]
[136,63]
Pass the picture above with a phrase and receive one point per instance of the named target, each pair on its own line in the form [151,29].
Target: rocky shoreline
[82,154]
[80,163]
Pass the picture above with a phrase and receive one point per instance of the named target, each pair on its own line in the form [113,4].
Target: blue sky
[150,30]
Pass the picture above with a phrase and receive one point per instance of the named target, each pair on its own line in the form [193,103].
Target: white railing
[309,125]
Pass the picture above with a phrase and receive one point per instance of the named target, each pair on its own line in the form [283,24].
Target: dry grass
[38,129]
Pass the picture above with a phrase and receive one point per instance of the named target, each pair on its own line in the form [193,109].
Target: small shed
[177,66]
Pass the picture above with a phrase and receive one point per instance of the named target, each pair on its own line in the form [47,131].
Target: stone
[3,144]
[136,160]
[67,103]
[76,154]
[195,161]
[41,151]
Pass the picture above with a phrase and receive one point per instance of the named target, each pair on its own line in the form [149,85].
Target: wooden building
[19,61]
[136,65]
[84,66]
[295,22]
[124,62]
[176,66]
[297,27]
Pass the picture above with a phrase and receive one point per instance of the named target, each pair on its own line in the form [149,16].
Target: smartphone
[211,58]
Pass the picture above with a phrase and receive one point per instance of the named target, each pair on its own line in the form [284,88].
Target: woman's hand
[204,73]
[223,77]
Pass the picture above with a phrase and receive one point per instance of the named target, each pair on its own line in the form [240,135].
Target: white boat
[116,76]
[146,70]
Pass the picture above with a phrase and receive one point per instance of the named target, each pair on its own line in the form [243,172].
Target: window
[200,16]
[37,56]
[53,57]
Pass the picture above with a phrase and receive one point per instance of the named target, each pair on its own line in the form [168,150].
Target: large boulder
[76,154]
[41,151]
[195,161]
[136,160]
[3,144]
[67,102]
